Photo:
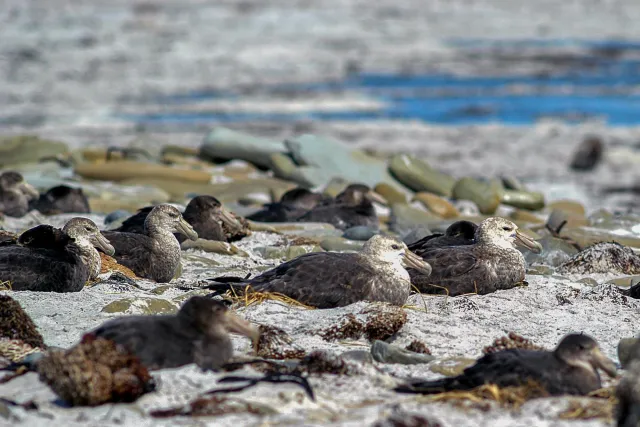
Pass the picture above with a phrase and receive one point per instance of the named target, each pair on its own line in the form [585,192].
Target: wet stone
[417,175]
[437,205]
[388,353]
[140,306]
[485,196]
[360,232]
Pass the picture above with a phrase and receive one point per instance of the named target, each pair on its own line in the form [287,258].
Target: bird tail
[431,387]
[222,284]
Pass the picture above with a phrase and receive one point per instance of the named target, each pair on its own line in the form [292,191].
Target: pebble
[121,170]
[419,176]
[437,205]
[15,150]
[140,306]
[588,154]
[404,218]
[387,353]
[487,197]
[360,232]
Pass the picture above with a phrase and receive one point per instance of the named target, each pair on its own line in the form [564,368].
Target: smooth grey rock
[227,144]
[359,232]
[387,353]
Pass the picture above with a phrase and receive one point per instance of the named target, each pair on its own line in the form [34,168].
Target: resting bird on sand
[206,215]
[51,260]
[61,199]
[489,264]
[15,194]
[457,234]
[292,205]
[332,279]
[198,333]
[156,254]
[350,208]
[569,369]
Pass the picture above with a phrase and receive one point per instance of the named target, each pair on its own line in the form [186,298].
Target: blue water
[593,80]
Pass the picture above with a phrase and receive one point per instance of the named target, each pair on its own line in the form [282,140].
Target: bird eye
[87,228]
[506,228]
[395,247]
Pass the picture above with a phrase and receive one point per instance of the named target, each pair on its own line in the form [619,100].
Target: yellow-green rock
[28,149]
[391,194]
[121,170]
[530,200]
[437,205]
[417,175]
[487,197]
[140,306]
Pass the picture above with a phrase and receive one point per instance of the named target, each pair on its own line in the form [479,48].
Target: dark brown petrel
[15,194]
[47,259]
[198,333]
[572,368]
[206,215]
[331,279]
[489,264]
[156,254]
[350,208]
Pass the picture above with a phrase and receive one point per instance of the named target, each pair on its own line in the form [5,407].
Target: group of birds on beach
[466,258]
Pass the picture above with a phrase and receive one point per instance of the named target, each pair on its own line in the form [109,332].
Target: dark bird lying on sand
[459,233]
[206,215]
[628,391]
[156,254]
[61,199]
[569,369]
[352,207]
[47,259]
[198,333]
[292,205]
[331,279]
[489,264]
[15,194]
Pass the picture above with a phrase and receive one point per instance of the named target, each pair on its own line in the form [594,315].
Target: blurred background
[479,87]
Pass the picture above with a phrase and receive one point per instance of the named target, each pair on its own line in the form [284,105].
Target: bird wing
[131,250]
[135,223]
[504,368]
[39,269]
[320,279]
[451,262]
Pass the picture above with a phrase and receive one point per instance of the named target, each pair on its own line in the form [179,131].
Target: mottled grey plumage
[51,260]
[61,199]
[156,254]
[330,279]
[292,205]
[15,194]
[350,208]
[206,215]
[570,369]
[459,233]
[491,263]
[628,391]
[198,333]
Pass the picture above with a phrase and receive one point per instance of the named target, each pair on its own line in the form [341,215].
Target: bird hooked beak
[185,228]
[240,326]
[228,218]
[411,260]
[375,197]
[101,242]
[599,360]
[29,190]
[527,242]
